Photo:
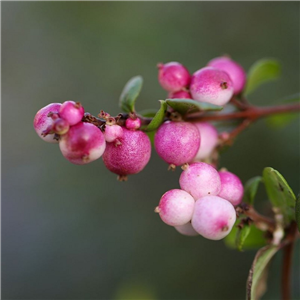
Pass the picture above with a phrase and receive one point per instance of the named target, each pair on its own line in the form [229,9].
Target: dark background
[74,232]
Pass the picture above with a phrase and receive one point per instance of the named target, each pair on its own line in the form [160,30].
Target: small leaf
[280,194]
[261,72]
[130,93]
[251,187]
[257,278]
[159,117]
[241,236]
[189,106]
[297,211]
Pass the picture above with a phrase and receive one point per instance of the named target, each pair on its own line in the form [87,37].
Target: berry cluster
[205,203]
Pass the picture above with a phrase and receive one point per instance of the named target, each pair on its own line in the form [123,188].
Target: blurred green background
[74,232]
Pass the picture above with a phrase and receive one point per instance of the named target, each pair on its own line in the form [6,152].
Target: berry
[213,217]
[43,123]
[231,188]
[209,140]
[82,144]
[133,124]
[187,229]
[176,207]
[173,76]
[180,95]
[113,132]
[233,69]
[177,142]
[60,126]
[72,112]
[130,155]
[200,179]
[211,85]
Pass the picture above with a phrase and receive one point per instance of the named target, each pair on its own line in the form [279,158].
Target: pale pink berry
[233,69]
[213,217]
[176,207]
[72,112]
[177,142]
[211,85]
[113,132]
[133,124]
[173,76]
[42,122]
[187,229]
[180,95]
[130,155]
[209,140]
[231,188]
[60,126]
[82,144]
[200,179]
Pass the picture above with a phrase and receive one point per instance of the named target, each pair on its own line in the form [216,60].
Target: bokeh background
[74,232]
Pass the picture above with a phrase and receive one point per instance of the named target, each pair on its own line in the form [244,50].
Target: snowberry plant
[211,202]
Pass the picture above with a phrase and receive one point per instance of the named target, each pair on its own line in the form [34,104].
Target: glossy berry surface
[177,142]
[82,144]
[200,179]
[42,122]
[173,76]
[231,188]
[133,124]
[130,156]
[113,132]
[209,140]
[176,207]
[180,95]
[233,69]
[72,112]
[213,217]
[187,229]
[60,126]
[211,85]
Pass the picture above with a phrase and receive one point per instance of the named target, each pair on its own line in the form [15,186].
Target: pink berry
[209,140]
[130,155]
[187,229]
[60,126]
[200,179]
[173,76]
[180,95]
[133,124]
[113,132]
[231,188]
[42,122]
[213,217]
[176,207]
[72,112]
[177,142]
[211,85]
[233,69]
[82,144]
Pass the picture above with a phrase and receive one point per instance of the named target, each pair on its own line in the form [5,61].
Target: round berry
[233,69]
[211,85]
[177,142]
[209,140]
[231,187]
[176,207]
[82,144]
[200,179]
[133,124]
[42,122]
[180,95]
[112,132]
[187,229]
[130,155]
[213,217]
[72,112]
[60,126]
[173,76]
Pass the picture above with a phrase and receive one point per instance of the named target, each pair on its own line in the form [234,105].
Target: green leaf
[256,283]
[261,72]
[130,93]
[250,190]
[159,117]
[151,135]
[297,211]
[280,194]
[241,236]
[188,106]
